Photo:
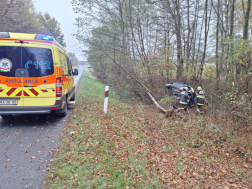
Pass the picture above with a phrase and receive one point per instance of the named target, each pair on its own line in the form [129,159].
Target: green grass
[167,100]
[89,155]
[134,146]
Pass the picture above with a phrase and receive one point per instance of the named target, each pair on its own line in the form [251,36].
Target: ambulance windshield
[38,61]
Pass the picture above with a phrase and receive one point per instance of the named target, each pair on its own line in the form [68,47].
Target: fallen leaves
[73,132]
[246,166]
[223,171]
[178,154]
[153,159]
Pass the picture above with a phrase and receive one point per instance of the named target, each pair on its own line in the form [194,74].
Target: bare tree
[246,21]
[207,24]
[18,16]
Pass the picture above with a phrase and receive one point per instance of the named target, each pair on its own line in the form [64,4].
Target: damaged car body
[176,88]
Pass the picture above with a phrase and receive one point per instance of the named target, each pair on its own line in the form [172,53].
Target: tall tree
[207,25]
[18,16]
[52,27]
[73,58]
[246,21]
[217,44]
[153,38]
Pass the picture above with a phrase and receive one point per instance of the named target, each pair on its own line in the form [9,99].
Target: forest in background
[204,43]
[20,16]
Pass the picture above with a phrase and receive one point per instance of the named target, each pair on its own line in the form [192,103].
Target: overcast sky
[62,11]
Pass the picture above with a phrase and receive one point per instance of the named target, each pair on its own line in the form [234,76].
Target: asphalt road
[27,144]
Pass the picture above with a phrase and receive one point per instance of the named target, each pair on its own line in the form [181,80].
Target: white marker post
[106,99]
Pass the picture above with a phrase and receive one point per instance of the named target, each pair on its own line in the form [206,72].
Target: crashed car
[176,88]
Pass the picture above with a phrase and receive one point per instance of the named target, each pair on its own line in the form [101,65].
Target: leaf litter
[134,146]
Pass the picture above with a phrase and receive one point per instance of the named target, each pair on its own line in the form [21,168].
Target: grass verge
[98,150]
[136,147]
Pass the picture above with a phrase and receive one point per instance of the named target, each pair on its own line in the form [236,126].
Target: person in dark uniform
[200,100]
[191,97]
[183,98]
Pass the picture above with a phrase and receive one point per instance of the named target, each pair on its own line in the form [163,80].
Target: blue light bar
[4,35]
[47,37]
[44,37]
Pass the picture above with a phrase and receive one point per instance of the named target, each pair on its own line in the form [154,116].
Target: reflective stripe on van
[17,91]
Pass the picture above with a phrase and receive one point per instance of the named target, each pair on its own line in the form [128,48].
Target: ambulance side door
[64,79]
[70,77]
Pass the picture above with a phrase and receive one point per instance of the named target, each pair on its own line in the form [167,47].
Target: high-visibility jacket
[200,99]
[183,97]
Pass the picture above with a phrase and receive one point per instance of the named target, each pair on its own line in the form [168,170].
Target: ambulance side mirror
[75,72]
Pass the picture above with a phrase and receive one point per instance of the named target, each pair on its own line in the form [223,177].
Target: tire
[6,116]
[73,97]
[170,92]
[64,111]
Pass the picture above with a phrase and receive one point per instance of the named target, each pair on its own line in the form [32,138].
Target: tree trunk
[232,63]
[188,37]
[246,22]
[207,22]
[179,44]
[217,46]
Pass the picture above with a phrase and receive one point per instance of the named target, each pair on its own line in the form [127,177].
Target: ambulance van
[36,75]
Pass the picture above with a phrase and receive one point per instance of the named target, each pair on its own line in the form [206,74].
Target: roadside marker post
[106,99]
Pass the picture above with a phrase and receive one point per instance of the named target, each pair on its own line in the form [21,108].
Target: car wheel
[170,91]
[64,111]
[73,97]
[6,116]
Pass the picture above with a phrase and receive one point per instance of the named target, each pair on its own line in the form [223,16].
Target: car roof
[179,85]
[27,37]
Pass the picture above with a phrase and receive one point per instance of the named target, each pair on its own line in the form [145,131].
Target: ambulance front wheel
[64,110]
[73,97]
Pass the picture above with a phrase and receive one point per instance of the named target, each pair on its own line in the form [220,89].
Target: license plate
[8,102]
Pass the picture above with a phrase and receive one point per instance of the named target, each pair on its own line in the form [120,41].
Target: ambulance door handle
[28,86]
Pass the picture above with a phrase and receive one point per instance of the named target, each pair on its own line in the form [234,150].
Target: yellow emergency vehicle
[36,75]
